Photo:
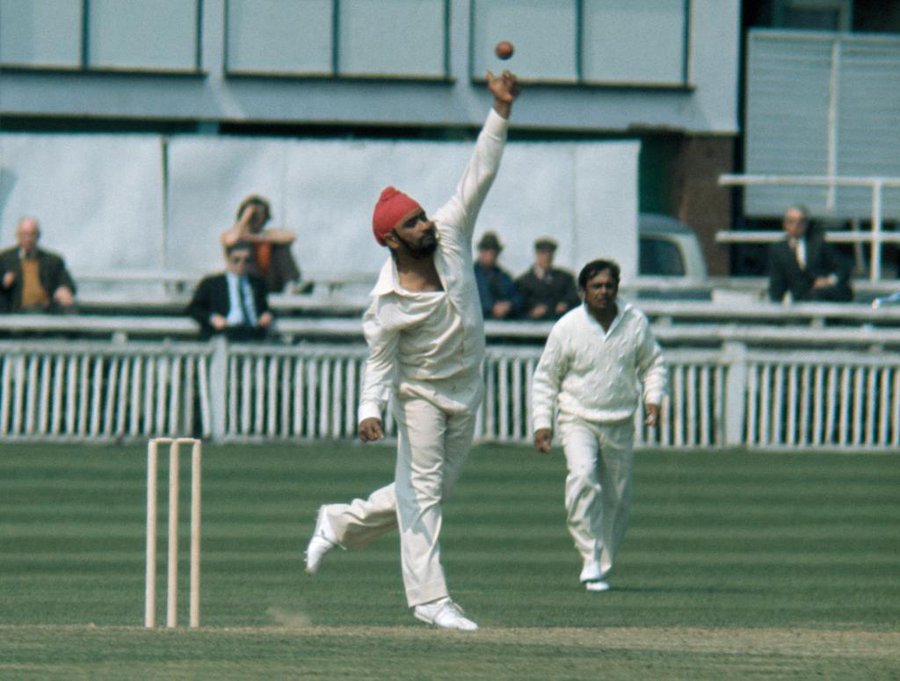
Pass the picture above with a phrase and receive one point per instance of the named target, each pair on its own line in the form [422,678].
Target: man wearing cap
[426,344]
[500,299]
[548,292]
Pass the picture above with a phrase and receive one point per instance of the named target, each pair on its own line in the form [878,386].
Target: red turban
[392,208]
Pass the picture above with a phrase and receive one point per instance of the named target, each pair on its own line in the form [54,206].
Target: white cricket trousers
[598,489]
[432,447]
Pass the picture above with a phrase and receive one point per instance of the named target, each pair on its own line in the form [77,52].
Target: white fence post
[735,357]
[218,382]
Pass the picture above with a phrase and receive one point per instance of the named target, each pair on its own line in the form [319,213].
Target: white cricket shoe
[323,540]
[590,572]
[445,614]
[596,585]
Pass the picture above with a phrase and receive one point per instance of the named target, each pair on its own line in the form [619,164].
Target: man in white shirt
[425,333]
[594,360]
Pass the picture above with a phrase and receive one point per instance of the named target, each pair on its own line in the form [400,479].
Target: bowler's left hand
[543,437]
[651,414]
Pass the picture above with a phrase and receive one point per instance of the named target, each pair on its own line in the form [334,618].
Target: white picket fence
[851,401]
[723,396]
[51,390]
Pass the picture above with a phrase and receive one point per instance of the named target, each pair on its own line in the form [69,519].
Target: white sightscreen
[98,197]
[102,203]
[585,195]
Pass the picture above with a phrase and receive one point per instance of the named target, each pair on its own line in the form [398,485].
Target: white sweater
[596,375]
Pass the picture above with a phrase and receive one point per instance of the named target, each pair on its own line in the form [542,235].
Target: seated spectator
[548,292]
[272,258]
[499,297]
[32,279]
[804,265]
[233,302]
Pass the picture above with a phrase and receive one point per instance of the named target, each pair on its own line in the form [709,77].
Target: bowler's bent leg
[362,520]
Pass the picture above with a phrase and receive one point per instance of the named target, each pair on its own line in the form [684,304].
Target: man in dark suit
[32,279]
[805,266]
[548,292]
[498,294]
[233,302]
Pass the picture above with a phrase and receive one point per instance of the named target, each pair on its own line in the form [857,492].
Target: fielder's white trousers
[432,447]
[598,489]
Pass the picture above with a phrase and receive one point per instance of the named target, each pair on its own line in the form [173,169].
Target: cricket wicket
[172,582]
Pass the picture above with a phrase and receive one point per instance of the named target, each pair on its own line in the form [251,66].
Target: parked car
[668,248]
[670,261]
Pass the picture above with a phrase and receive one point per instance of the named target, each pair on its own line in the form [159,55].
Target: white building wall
[705,104]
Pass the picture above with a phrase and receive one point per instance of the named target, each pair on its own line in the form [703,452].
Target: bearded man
[425,333]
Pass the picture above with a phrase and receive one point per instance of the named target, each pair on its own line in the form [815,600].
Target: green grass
[736,565]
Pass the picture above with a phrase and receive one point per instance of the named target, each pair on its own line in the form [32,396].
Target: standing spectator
[232,302]
[496,289]
[548,292]
[592,364]
[426,346]
[804,265]
[272,258]
[32,279]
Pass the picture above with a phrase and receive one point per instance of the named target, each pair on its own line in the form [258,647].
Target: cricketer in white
[590,371]
[425,333]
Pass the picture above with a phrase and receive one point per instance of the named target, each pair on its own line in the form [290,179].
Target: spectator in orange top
[273,261]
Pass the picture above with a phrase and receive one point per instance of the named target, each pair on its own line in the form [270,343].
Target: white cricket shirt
[431,345]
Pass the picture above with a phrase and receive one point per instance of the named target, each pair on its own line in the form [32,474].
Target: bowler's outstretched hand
[370,429]
[505,89]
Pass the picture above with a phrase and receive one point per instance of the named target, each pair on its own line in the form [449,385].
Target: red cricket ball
[504,49]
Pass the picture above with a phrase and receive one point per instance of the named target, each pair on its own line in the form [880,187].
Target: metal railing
[676,320]
[876,238]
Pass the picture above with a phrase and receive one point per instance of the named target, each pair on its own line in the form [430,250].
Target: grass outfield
[736,565]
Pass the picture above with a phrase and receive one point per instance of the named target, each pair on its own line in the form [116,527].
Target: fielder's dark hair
[595,267]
